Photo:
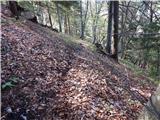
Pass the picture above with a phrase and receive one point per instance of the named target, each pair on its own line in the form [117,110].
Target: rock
[154,105]
[27,14]
[8,110]
[23,117]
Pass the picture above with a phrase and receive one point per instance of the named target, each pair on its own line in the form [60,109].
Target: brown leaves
[59,82]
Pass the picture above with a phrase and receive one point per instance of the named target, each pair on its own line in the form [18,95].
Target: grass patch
[138,71]
[76,41]
[71,41]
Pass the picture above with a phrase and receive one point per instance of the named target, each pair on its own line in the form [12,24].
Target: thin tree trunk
[83,21]
[95,22]
[49,15]
[151,13]
[81,17]
[116,21]
[121,38]
[146,43]
[109,31]
[94,30]
[85,18]
[94,34]
[123,30]
[65,24]
[94,26]
[158,63]
[59,17]
[69,27]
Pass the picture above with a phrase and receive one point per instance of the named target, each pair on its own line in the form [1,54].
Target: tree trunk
[115,36]
[121,37]
[81,17]
[158,64]
[94,34]
[69,27]
[65,24]
[59,18]
[151,13]
[95,22]
[49,15]
[94,26]
[83,21]
[109,31]
[13,5]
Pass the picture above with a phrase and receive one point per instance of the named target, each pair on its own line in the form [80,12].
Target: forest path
[63,82]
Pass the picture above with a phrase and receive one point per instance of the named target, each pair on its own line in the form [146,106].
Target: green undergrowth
[133,67]
[76,41]
[11,21]
[8,21]
[138,71]
[10,83]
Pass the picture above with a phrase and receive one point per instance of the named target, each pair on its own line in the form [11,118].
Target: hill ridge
[57,81]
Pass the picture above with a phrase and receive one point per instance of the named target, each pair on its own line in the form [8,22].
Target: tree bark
[49,15]
[13,5]
[95,22]
[151,13]
[65,24]
[69,27]
[94,26]
[158,64]
[109,31]
[115,36]
[81,17]
[59,17]
[83,21]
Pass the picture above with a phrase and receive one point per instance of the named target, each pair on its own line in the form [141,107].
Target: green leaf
[14,79]
[7,85]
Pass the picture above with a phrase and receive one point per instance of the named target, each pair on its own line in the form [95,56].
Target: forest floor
[53,80]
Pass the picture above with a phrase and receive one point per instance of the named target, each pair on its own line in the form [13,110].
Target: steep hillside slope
[56,81]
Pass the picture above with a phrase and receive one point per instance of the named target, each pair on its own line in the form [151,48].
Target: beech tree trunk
[83,20]
[65,24]
[81,17]
[59,17]
[115,36]
[69,27]
[113,17]
[49,15]
[95,22]
[109,31]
